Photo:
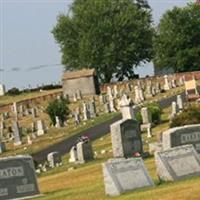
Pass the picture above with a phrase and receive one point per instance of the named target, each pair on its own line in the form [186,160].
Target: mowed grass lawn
[85,182]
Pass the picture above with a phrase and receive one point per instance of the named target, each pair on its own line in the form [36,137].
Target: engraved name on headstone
[17,178]
[189,134]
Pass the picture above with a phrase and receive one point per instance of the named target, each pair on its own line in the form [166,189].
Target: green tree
[177,44]
[58,108]
[112,36]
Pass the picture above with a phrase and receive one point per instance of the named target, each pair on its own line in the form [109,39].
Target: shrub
[58,108]
[190,115]
[13,91]
[155,112]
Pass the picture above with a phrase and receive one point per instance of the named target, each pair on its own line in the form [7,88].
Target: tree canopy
[177,44]
[112,36]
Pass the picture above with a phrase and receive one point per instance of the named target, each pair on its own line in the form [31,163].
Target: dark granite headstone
[126,138]
[189,134]
[17,178]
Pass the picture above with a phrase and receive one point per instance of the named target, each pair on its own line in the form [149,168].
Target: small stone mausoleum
[84,80]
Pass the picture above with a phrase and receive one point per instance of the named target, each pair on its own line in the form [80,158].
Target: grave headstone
[86,114]
[73,154]
[174,110]
[180,102]
[58,122]
[54,159]
[84,151]
[126,107]
[16,133]
[166,83]
[126,138]
[189,134]
[177,163]
[122,175]
[40,128]
[17,178]
[146,116]
[34,112]
[92,109]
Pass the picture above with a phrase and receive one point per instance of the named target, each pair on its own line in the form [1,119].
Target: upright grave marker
[121,175]
[189,134]
[177,163]
[17,178]
[126,138]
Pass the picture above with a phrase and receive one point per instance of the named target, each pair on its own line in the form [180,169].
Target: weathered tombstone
[126,138]
[58,122]
[107,107]
[141,94]
[173,83]
[126,107]
[73,155]
[21,110]
[92,109]
[77,118]
[121,175]
[112,105]
[54,159]
[17,178]
[29,141]
[84,151]
[109,92]
[75,97]
[174,110]
[149,90]
[137,94]
[180,102]
[34,112]
[14,107]
[115,91]
[189,134]
[16,133]
[86,114]
[2,90]
[158,88]
[166,84]
[177,163]
[149,132]
[40,128]
[146,116]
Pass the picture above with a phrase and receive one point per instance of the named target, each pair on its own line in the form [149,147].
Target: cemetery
[140,153]
[114,113]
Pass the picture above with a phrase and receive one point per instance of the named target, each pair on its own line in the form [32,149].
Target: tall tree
[177,44]
[112,36]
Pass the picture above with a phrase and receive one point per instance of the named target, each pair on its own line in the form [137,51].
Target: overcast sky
[27,45]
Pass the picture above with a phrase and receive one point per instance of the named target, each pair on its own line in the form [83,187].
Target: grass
[85,182]
[54,136]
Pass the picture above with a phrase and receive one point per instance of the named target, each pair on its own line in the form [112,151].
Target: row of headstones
[150,88]
[16,134]
[122,175]
[177,159]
